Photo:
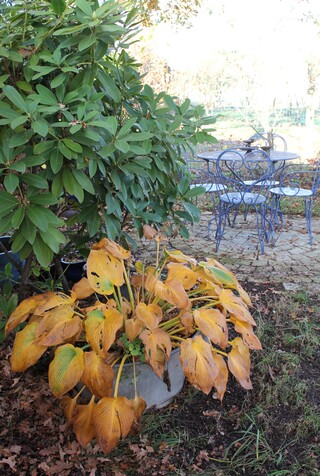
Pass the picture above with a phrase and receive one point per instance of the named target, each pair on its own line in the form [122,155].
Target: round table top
[275,155]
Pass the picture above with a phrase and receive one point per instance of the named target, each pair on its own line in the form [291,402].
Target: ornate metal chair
[247,176]
[296,182]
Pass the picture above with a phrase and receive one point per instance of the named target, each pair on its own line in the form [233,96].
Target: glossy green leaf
[56,161]
[43,253]
[7,202]
[35,181]
[18,217]
[11,181]
[40,127]
[16,98]
[37,217]
[84,181]
[58,6]
[87,42]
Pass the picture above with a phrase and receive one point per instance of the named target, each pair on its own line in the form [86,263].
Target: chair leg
[222,217]
[308,202]
[261,225]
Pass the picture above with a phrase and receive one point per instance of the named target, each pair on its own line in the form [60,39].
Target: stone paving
[291,261]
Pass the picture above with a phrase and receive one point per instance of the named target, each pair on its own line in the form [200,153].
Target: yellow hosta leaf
[57,326]
[182,273]
[83,423]
[148,232]
[212,323]
[82,289]
[55,300]
[220,381]
[133,327]
[98,306]
[236,285]
[112,248]
[94,325]
[151,279]
[172,292]
[239,362]
[248,336]
[69,406]
[150,315]
[234,305]
[157,349]
[198,364]
[112,323]
[25,309]
[26,351]
[139,406]
[97,375]
[178,257]
[113,418]
[66,369]
[218,275]
[187,320]
[104,271]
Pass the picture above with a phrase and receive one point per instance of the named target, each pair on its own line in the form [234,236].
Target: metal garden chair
[302,182]
[247,176]
[199,176]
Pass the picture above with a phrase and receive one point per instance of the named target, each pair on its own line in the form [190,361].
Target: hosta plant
[199,307]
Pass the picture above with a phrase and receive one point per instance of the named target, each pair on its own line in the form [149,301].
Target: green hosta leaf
[43,253]
[35,181]
[58,6]
[8,202]
[87,42]
[37,217]
[84,181]
[40,127]
[11,181]
[16,98]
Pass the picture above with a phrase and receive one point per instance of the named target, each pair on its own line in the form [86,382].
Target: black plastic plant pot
[73,270]
[5,259]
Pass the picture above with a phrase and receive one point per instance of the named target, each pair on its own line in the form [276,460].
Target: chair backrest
[245,171]
[268,140]
[299,177]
